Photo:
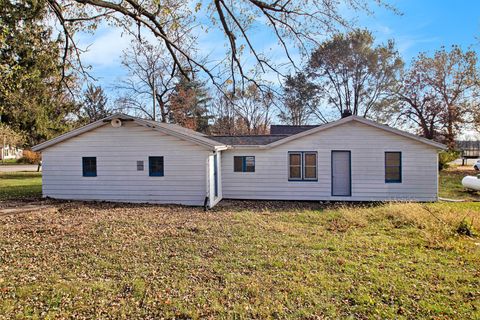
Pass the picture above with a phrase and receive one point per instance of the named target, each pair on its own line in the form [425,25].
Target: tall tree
[31,99]
[253,110]
[454,77]
[439,93]
[189,105]
[94,106]
[354,74]
[224,116]
[151,79]
[418,104]
[300,100]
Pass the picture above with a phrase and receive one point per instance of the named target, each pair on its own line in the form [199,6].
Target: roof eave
[204,142]
[361,120]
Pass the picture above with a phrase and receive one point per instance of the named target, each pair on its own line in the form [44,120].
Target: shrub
[444,157]
[30,157]
[466,228]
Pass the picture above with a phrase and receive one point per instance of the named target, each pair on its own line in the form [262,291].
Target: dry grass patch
[80,260]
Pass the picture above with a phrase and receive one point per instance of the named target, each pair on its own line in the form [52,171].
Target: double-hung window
[302,166]
[155,166]
[89,166]
[244,164]
[393,167]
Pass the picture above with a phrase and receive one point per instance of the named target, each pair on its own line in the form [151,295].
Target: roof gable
[361,120]
[166,128]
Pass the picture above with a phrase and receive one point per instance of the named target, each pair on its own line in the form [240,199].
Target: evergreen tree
[31,97]
[189,105]
[94,105]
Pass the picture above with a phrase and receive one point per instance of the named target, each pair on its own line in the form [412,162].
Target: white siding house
[363,143]
[122,158]
[352,159]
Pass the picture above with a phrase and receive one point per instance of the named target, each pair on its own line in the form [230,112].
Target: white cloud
[104,49]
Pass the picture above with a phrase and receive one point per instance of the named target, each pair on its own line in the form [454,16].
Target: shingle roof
[289,130]
[247,140]
[277,132]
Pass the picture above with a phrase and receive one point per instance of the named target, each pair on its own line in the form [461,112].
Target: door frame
[350,172]
[215,175]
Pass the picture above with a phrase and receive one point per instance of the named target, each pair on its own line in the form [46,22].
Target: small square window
[89,166]
[155,165]
[244,164]
[139,165]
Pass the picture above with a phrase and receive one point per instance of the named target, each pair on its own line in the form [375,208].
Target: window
[155,165]
[310,166]
[302,166]
[89,166]
[393,167]
[244,164]
[139,165]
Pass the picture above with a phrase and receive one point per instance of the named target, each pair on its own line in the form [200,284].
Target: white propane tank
[471,182]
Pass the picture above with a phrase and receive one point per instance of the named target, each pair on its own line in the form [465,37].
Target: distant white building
[10,152]
[126,159]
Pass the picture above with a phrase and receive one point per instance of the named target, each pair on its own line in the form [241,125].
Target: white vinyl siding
[367,145]
[118,152]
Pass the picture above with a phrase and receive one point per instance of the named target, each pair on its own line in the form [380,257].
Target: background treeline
[45,90]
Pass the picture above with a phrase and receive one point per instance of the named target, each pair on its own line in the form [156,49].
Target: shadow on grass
[20,175]
[21,192]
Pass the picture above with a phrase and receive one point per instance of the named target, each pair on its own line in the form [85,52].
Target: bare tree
[440,93]
[353,74]
[455,78]
[151,78]
[300,100]
[253,109]
[223,113]
[295,24]
[417,104]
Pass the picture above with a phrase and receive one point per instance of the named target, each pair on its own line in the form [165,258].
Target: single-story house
[127,159]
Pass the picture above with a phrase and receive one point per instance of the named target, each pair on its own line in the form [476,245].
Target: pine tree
[189,105]
[31,97]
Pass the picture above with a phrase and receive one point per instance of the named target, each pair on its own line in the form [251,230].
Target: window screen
[244,164]
[295,166]
[393,167]
[310,166]
[89,166]
[302,165]
[155,165]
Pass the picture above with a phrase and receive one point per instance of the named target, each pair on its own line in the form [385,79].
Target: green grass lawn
[8,162]
[20,185]
[450,184]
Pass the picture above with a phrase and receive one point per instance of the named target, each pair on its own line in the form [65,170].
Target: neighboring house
[10,152]
[122,158]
